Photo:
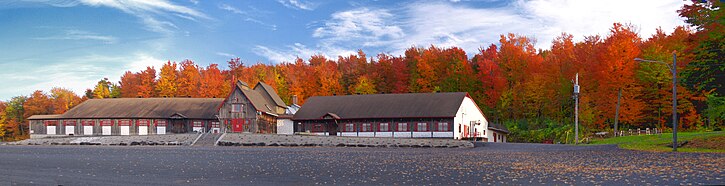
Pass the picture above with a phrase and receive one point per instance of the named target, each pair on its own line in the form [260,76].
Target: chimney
[294,99]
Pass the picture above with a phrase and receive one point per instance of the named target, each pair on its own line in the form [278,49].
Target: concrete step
[207,140]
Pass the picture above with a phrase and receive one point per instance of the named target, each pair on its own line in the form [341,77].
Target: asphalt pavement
[497,164]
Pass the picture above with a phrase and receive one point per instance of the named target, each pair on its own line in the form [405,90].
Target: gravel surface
[242,139]
[507,164]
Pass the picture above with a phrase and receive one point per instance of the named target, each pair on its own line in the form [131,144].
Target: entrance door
[237,125]
[178,126]
[332,128]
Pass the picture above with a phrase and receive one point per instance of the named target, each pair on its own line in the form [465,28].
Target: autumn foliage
[514,83]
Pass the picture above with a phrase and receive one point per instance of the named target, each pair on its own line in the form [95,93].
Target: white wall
[466,113]
[284,126]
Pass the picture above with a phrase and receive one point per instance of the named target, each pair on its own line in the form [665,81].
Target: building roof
[269,93]
[413,105]
[192,108]
[498,127]
[39,117]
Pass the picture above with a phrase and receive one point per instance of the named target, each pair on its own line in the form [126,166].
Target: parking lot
[517,164]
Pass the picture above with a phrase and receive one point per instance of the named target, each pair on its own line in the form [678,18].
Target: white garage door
[87,130]
[50,130]
[70,130]
[143,130]
[160,130]
[106,130]
[125,130]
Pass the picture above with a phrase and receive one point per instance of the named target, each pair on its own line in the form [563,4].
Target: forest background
[529,91]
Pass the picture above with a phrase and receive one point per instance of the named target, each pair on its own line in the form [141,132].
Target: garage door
[106,127]
[160,126]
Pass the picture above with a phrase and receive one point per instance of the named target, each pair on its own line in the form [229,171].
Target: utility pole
[576,109]
[616,114]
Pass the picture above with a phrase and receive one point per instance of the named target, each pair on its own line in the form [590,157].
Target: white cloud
[248,16]
[232,9]
[225,54]
[80,35]
[151,13]
[76,74]
[366,25]
[446,24]
[291,52]
[298,4]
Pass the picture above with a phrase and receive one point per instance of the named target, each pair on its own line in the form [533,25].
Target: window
[50,123]
[160,123]
[124,122]
[442,126]
[383,127]
[215,124]
[198,124]
[349,127]
[402,127]
[88,122]
[367,127]
[422,127]
[318,128]
[107,122]
[69,123]
[237,107]
[142,122]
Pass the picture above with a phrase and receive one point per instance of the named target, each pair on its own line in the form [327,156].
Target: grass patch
[698,142]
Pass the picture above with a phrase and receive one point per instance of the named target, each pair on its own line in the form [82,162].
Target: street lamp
[673,69]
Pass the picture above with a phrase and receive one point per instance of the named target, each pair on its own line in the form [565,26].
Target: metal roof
[192,108]
[39,117]
[412,105]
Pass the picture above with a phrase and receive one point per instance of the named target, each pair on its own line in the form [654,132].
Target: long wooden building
[418,115]
[246,109]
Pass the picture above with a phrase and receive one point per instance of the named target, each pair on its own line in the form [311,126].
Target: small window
[402,127]
[350,127]
[107,122]
[318,128]
[198,124]
[69,123]
[143,122]
[160,123]
[236,107]
[422,127]
[124,122]
[442,126]
[50,123]
[383,127]
[88,122]
[367,127]
[215,124]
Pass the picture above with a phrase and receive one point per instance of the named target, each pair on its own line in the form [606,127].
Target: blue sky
[75,43]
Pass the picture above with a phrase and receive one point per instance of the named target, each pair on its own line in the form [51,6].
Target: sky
[74,43]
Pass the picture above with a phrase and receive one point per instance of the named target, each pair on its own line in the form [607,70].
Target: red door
[237,125]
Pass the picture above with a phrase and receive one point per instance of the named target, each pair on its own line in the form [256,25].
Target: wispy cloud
[81,35]
[298,4]
[291,52]
[231,9]
[76,73]
[154,14]
[368,26]
[249,17]
[459,24]
[225,54]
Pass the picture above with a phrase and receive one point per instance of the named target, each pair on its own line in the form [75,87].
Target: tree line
[528,90]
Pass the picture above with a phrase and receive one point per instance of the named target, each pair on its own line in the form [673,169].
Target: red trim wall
[124,122]
[107,122]
[88,122]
